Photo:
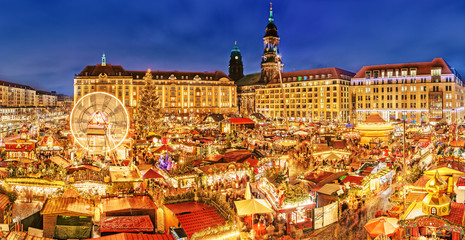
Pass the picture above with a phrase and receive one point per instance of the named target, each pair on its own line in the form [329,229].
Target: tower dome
[436,202]
[271,30]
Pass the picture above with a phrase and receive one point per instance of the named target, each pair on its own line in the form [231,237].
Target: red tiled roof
[135,202]
[241,121]
[126,224]
[134,236]
[353,179]
[336,73]
[195,216]
[457,211]
[460,182]
[421,182]
[4,201]
[423,68]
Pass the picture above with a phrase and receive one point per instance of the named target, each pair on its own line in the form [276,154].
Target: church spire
[271,19]
[104,60]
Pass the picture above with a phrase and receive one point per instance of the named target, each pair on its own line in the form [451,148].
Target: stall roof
[134,236]
[329,188]
[353,179]
[151,174]
[60,161]
[195,216]
[241,121]
[114,204]
[63,206]
[124,174]
[126,224]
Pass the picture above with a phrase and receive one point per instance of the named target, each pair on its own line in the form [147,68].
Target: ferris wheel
[99,122]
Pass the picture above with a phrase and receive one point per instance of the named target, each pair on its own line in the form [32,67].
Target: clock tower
[236,68]
[271,60]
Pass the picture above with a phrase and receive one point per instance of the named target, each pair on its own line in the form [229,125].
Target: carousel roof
[456,216]
[374,117]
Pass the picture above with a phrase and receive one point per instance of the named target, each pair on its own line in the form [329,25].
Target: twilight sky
[44,43]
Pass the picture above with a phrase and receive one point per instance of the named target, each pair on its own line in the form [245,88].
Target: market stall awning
[252,206]
[382,225]
[126,224]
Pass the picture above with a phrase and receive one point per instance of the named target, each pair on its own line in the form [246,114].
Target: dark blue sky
[44,43]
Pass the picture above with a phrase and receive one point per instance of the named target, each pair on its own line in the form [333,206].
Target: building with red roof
[418,92]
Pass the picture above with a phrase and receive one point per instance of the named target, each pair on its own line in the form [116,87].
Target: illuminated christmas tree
[148,110]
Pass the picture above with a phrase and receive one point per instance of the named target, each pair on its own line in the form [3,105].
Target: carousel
[436,216]
[374,128]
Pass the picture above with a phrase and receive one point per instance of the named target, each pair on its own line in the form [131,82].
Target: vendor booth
[292,203]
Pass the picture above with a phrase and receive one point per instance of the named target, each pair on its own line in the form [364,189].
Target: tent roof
[151,174]
[126,224]
[252,206]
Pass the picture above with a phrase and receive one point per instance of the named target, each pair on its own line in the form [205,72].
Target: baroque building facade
[180,93]
[309,95]
[419,92]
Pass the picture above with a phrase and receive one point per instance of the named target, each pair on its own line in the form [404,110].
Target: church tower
[236,68]
[271,60]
